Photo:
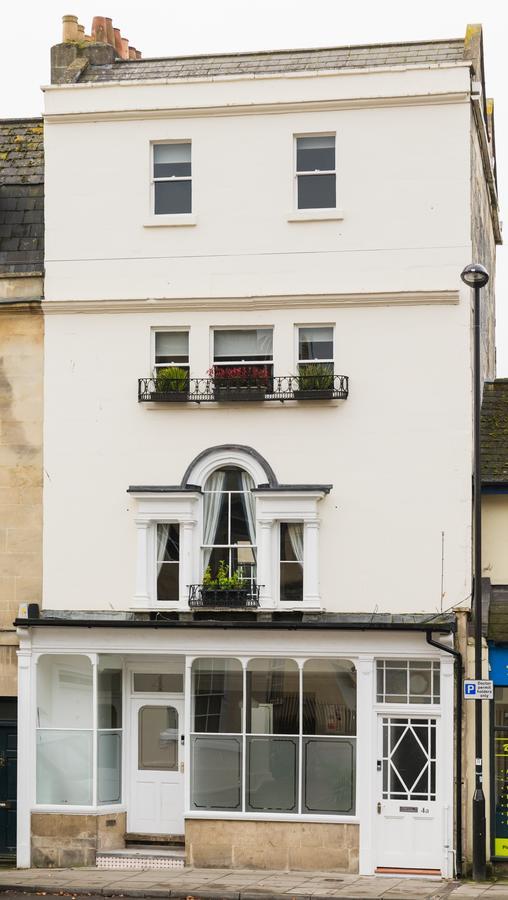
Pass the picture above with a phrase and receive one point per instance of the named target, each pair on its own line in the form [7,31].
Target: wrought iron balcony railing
[202,597]
[215,390]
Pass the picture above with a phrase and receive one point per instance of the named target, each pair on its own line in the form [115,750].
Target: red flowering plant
[241,376]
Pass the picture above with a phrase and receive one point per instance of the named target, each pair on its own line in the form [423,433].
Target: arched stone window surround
[222,455]
[183,504]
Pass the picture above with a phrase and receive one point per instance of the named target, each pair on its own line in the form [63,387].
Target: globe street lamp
[476,277]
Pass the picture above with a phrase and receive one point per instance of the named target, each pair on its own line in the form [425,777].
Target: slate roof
[21,196]
[494,425]
[210,65]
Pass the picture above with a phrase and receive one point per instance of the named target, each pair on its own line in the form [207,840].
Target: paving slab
[242,884]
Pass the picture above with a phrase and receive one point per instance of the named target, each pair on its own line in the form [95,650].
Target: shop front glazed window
[272,735]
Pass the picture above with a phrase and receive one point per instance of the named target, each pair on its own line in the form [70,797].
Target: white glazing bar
[95,704]
[187,718]
[300,738]
[244,728]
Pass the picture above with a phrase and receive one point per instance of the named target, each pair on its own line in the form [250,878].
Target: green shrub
[223,580]
[172,378]
[315,377]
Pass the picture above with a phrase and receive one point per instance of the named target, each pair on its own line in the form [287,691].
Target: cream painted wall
[403,179]
[495,537]
[398,451]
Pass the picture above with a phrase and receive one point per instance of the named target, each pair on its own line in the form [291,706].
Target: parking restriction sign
[476,689]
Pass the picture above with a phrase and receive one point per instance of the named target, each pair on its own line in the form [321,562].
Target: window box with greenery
[171,383]
[315,382]
[240,382]
[224,590]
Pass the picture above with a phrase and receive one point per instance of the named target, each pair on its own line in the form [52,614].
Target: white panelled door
[408,817]
[157,780]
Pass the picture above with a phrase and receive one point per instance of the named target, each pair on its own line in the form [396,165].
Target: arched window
[229,524]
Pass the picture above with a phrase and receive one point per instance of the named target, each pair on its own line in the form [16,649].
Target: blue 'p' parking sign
[476,689]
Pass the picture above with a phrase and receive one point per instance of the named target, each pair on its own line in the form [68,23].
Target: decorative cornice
[266,301]
[256,109]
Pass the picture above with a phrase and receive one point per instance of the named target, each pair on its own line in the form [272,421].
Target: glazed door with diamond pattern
[409,810]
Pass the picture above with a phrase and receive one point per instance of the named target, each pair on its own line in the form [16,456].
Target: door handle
[182,766]
[379,809]
[4,804]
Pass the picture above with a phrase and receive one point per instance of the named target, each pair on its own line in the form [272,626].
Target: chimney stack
[70,58]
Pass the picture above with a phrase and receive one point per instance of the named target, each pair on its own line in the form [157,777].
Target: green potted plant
[171,383]
[240,382]
[224,589]
[315,382]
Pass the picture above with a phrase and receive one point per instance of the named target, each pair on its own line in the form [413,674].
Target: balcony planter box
[169,396]
[225,598]
[239,392]
[318,394]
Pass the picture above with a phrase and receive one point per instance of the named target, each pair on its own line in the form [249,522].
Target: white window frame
[179,508]
[240,327]
[154,219]
[284,603]
[184,329]
[297,343]
[272,508]
[317,213]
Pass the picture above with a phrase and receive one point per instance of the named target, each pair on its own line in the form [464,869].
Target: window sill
[159,606]
[164,221]
[340,818]
[315,215]
[75,810]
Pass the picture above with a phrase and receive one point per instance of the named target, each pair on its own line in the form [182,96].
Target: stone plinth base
[211,843]
[60,839]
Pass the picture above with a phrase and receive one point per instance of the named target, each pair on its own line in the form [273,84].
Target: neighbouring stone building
[495,593]
[21,396]
[258,456]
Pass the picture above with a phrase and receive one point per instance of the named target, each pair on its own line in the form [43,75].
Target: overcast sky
[163,28]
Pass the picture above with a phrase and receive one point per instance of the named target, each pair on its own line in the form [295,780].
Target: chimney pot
[110,34]
[138,54]
[118,41]
[99,30]
[132,53]
[69,29]
[81,32]
[125,48]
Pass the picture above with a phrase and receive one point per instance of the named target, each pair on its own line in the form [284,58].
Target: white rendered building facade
[258,454]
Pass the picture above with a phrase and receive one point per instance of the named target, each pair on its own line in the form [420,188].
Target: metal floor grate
[152,861]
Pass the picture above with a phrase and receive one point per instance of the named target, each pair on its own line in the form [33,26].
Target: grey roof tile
[278,61]
[494,434]
[21,196]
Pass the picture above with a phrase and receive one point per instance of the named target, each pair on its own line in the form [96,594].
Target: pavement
[237,884]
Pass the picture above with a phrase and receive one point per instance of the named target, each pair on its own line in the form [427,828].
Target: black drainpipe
[458,757]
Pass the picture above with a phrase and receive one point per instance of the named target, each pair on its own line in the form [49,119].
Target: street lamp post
[476,277]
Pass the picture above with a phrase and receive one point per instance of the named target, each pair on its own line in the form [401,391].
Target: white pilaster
[26,773]
[311,563]
[188,560]
[142,594]
[446,758]
[366,755]
[265,564]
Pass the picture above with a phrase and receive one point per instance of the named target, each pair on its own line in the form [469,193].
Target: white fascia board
[200,96]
